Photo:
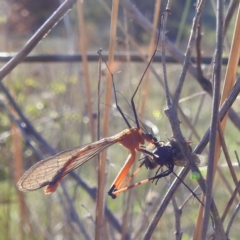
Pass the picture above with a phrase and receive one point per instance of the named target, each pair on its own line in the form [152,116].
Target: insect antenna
[137,120]
[143,125]
[170,170]
[115,95]
[193,193]
[144,73]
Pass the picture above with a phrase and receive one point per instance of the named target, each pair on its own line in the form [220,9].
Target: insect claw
[111,192]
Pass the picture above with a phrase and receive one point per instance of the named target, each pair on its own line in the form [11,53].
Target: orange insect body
[132,138]
[132,141]
[50,172]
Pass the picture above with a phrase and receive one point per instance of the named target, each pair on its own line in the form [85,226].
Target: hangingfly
[49,172]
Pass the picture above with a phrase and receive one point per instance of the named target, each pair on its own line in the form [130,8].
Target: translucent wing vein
[50,171]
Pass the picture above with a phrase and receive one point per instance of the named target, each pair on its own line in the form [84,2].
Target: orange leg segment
[122,174]
[131,177]
[117,192]
[124,187]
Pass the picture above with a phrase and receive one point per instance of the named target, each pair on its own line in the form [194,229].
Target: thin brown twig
[188,52]
[83,48]
[227,157]
[230,202]
[136,15]
[165,201]
[144,58]
[213,156]
[33,137]
[177,214]
[222,112]
[93,57]
[126,217]
[171,112]
[198,49]
[232,219]
[163,41]
[225,181]
[99,220]
[196,118]
[183,173]
[37,37]
[236,154]
[73,213]
[150,52]
[101,198]
[230,13]
[17,153]
[188,198]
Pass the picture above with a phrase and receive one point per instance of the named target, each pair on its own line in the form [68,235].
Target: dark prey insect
[163,154]
[169,154]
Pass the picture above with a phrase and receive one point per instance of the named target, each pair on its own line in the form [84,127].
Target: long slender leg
[117,192]
[165,173]
[170,167]
[122,174]
[131,177]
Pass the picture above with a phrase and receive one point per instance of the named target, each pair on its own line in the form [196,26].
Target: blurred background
[58,95]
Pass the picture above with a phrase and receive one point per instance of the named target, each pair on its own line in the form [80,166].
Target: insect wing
[199,159]
[50,171]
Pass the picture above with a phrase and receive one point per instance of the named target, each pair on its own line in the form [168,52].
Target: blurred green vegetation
[53,97]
